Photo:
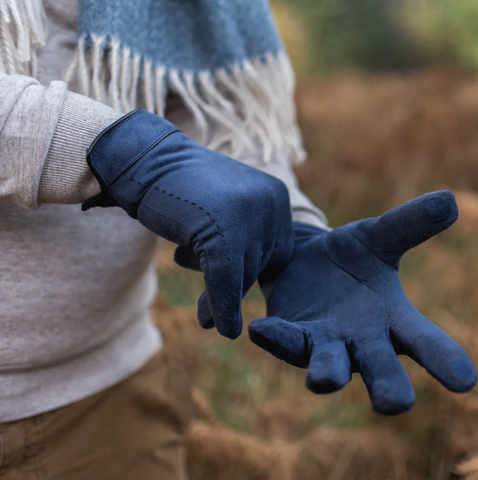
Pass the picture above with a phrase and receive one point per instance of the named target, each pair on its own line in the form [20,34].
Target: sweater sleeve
[44,132]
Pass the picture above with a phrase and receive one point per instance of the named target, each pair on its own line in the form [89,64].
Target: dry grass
[374,142]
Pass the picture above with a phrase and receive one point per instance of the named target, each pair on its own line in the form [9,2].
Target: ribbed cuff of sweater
[66,177]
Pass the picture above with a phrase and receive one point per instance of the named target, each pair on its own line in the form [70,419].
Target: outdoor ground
[374,142]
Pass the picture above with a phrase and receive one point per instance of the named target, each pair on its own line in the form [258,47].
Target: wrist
[121,146]
[66,177]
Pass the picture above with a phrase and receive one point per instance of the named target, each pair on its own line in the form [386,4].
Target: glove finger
[186,258]
[434,350]
[286,341]
[387,381]
[410,224]
[224,285]
[329,368]
[204,312]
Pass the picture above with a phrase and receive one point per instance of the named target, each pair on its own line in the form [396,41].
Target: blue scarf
[224,58]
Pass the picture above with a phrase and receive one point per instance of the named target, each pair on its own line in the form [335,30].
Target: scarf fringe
[249,102]
[22,31]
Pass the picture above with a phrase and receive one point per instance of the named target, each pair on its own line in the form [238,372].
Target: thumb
[186,258]
[204,312]
[285,340]
[408,225]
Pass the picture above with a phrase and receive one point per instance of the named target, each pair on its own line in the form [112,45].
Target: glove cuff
[117,148]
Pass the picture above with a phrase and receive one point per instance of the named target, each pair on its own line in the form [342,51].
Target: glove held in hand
[230,220]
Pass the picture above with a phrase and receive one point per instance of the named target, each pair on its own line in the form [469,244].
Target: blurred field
[374,142]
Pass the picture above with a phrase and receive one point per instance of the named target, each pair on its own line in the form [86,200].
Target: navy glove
[338,307]
[231,219]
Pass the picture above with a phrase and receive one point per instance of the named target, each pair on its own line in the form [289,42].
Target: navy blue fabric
[229,220]
[338,307]
[187,35]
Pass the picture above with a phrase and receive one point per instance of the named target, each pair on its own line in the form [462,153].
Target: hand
[229,220]
[338,307]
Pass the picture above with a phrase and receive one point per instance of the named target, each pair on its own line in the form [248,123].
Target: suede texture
[338,307]
[229,220]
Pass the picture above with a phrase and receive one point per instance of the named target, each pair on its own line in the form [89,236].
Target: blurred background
[387,98]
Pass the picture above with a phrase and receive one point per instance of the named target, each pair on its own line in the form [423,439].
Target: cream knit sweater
[74,287]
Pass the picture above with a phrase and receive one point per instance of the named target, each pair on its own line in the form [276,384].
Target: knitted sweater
[75,287]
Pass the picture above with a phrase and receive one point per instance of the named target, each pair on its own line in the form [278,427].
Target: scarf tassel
[22,31]
[250,103]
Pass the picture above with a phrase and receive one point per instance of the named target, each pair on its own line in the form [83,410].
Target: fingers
[204,312]
[410,224]
[224,287]
[329,368]
[186,258]
[386,380]
[435,351]
[226,281]
[285,340]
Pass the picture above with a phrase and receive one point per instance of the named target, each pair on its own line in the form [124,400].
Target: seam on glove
[378,253]
[141,155]
[194,204]
[110,128]
[326,250]
[137,159]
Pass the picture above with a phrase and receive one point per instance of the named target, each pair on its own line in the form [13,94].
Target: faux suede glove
[338,307]
[233,220]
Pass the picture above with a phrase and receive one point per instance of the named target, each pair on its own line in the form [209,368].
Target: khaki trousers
[133,431]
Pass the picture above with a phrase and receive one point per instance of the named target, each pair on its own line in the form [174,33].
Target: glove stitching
[397,252]
[164,192]
[138,157]
[345,270]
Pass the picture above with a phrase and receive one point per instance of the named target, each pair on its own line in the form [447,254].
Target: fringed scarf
[224,58]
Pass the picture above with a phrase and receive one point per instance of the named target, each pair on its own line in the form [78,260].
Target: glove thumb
[286,341]
[408,225]
[186,258]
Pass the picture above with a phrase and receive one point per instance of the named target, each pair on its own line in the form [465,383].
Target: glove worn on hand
[338,307]
[229,218]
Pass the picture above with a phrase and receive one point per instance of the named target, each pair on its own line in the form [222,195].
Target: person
[86,390]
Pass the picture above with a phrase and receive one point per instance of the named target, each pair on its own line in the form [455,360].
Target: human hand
[338,307]
[231,221]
